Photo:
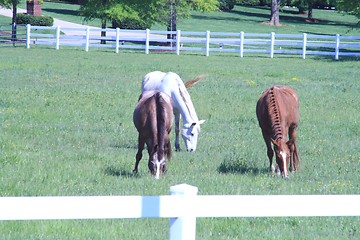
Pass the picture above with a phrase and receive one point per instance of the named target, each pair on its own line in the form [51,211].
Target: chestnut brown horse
[278,114]
[153,118]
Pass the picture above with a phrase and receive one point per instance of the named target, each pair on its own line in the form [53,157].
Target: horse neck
[186,107]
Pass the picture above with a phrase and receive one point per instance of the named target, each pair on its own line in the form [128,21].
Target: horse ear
[201,121]
[274,142]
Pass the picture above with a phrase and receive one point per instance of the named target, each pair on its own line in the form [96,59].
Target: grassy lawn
[66,129]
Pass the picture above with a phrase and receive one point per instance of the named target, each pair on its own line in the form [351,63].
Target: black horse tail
[161,124]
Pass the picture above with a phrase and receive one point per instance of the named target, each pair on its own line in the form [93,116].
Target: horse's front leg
[141,145]
[270,152]
[177,131]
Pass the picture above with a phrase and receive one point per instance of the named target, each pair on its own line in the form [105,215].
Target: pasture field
[66,129]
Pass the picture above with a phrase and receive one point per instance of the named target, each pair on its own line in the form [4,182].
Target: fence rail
[188,204]
[206,42]
[8,36]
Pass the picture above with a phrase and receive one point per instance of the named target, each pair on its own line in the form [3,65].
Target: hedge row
[34,20]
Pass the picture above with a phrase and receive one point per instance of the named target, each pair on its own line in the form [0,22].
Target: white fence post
[207,43]
[272,43]
[178,36]
[304,46]
[147,41]
[117,40]
[184,227]
[242,44]
[337,45]
[28,30]
[87,39]
[57,37]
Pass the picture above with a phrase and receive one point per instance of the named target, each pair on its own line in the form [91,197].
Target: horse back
[278,105]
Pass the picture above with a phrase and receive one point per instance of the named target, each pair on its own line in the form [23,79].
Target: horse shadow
[239,166]
[118,172]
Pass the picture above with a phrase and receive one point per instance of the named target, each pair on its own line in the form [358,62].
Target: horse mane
[274,115]
[189,104]
[194,81]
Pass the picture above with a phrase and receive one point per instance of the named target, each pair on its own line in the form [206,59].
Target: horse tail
[161,123]
[168,150]
[194,81]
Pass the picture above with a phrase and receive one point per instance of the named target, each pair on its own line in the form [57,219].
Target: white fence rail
[239,43]
[188,204]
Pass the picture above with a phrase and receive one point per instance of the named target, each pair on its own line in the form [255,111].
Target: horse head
[282,154]
[190,133]
[156,165]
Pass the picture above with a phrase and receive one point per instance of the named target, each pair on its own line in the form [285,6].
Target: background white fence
[183,206]
[239,43]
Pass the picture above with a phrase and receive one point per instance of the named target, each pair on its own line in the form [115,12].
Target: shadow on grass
[239,167]
[286,16]
[118,172]
[62,11]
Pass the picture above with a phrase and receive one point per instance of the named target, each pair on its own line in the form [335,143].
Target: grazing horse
[171,84]
[278,114]
[153,118]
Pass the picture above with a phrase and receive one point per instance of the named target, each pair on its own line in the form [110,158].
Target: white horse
[171,84]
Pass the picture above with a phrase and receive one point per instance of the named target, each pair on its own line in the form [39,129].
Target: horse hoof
[135,172]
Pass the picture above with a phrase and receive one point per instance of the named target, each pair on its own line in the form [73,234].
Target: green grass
[66,129]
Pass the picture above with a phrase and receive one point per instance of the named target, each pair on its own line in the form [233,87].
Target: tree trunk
[274,18]
[13,23]
[310,10]
[103,32]
[172,20]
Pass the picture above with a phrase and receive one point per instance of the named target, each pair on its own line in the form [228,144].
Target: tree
[165,12]
[173,10]
[11,4]
[274,16]
[350,6]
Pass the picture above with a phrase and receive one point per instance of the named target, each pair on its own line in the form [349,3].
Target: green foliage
[34,20]
[9,3]
[350,6]
[226,5]
[130,23]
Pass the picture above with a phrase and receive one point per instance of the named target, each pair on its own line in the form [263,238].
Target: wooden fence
[188,204]
[206,42]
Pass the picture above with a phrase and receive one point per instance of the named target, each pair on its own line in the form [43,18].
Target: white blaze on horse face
[283,156]
[157,165]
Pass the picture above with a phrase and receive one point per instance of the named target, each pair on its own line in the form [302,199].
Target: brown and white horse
[153,118]
[277,111]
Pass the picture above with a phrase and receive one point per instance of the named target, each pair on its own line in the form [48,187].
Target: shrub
[130,23]
[34,20]
[226,5]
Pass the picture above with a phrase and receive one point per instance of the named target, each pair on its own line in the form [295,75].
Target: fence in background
[206,42]
[7,37]
[183,206]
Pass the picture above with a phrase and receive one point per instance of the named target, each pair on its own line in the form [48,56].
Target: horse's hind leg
[177,131]
[294,158]
[141,145]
